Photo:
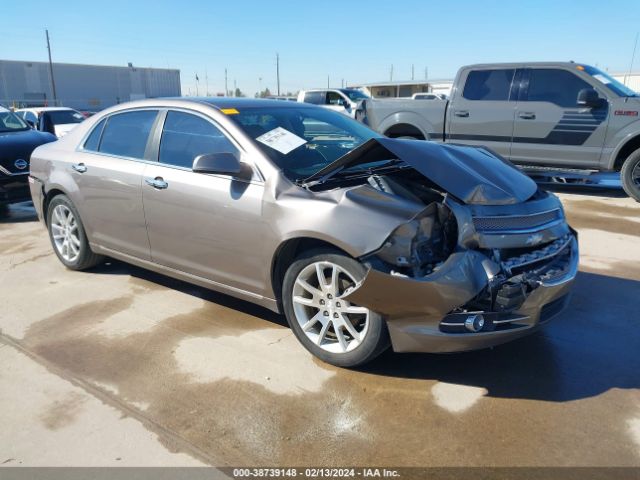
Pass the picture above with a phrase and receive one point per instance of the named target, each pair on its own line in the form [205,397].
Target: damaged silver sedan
[362,241]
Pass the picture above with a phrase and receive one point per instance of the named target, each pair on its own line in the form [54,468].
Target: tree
[263,94]
[238,93]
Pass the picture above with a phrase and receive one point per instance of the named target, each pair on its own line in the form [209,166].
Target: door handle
[461,113]
[79,167]
[527,115]
[157,183]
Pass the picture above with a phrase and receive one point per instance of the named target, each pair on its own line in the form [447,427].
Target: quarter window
[126,134]
[186,136]
[488,85]
[93,140]
[560,87]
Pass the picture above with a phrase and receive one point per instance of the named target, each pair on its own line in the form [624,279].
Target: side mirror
[221,163]
[588,97]
[345,103]
[31,123]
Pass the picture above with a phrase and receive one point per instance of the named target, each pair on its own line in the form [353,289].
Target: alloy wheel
[328,320]
[64,230]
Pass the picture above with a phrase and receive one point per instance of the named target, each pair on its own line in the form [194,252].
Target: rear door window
[317,98]
[126,134]
[185,136]
[488,84]
[556,86]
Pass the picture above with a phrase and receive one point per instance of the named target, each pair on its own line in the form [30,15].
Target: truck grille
[516,223]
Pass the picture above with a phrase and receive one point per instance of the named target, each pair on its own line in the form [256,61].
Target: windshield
[10,122]
[354,95]
[61,117]
[613,84]
[302,140]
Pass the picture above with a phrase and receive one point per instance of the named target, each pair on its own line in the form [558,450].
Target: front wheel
[67,235]
[630,175]
[334,330]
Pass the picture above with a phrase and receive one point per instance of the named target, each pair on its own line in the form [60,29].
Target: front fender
[619,140]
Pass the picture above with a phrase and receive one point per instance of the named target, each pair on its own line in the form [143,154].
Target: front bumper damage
[436,313]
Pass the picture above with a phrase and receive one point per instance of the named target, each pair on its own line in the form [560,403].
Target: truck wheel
[334,330]
[630,175]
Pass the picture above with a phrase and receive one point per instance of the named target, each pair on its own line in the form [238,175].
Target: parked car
[17,141]
[429,96]
[56,120]
[360,240]
[342,100]
[559,115]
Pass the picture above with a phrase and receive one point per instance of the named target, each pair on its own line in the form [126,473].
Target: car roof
[525,64]
[237,102]
[2,109]
[44,109]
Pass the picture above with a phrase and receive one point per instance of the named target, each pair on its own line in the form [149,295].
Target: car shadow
[18,213]
[590,348]
[116,267]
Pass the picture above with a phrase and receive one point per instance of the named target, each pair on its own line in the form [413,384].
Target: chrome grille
[516,222]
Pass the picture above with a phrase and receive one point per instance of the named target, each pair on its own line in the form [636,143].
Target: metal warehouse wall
[84,87]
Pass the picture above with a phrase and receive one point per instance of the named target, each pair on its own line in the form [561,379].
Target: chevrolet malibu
[362,241]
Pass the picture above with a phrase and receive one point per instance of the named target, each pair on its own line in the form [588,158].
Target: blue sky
[357,41]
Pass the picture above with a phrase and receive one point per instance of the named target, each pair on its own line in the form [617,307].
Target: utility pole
[278,71]
[53,81]
[412,72]
[206,79]
[426,73]
[235,87]
[226,89]
[391,74]
[327,81]
[197,89]
[633,56]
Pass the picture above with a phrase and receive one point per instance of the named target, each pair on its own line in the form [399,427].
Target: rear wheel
[333,329]
[67,235]
[630,175]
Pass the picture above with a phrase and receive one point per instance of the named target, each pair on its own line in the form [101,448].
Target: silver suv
[361,240]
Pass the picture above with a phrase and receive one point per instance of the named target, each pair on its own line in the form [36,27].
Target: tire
[630,175]
[68,237]
[335,331]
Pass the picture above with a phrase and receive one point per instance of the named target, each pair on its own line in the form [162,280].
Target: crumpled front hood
[474,175]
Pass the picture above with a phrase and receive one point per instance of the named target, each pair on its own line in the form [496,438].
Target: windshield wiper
[348,173]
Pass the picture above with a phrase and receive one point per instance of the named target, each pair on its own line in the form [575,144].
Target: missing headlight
[419,247]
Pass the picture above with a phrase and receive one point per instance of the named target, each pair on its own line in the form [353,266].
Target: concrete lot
[119,366]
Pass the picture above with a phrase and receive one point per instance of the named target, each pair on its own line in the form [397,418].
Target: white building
[84,87]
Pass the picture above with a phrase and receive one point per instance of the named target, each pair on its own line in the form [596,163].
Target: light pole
[53,81]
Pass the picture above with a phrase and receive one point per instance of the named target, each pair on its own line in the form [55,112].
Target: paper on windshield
[281,140]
